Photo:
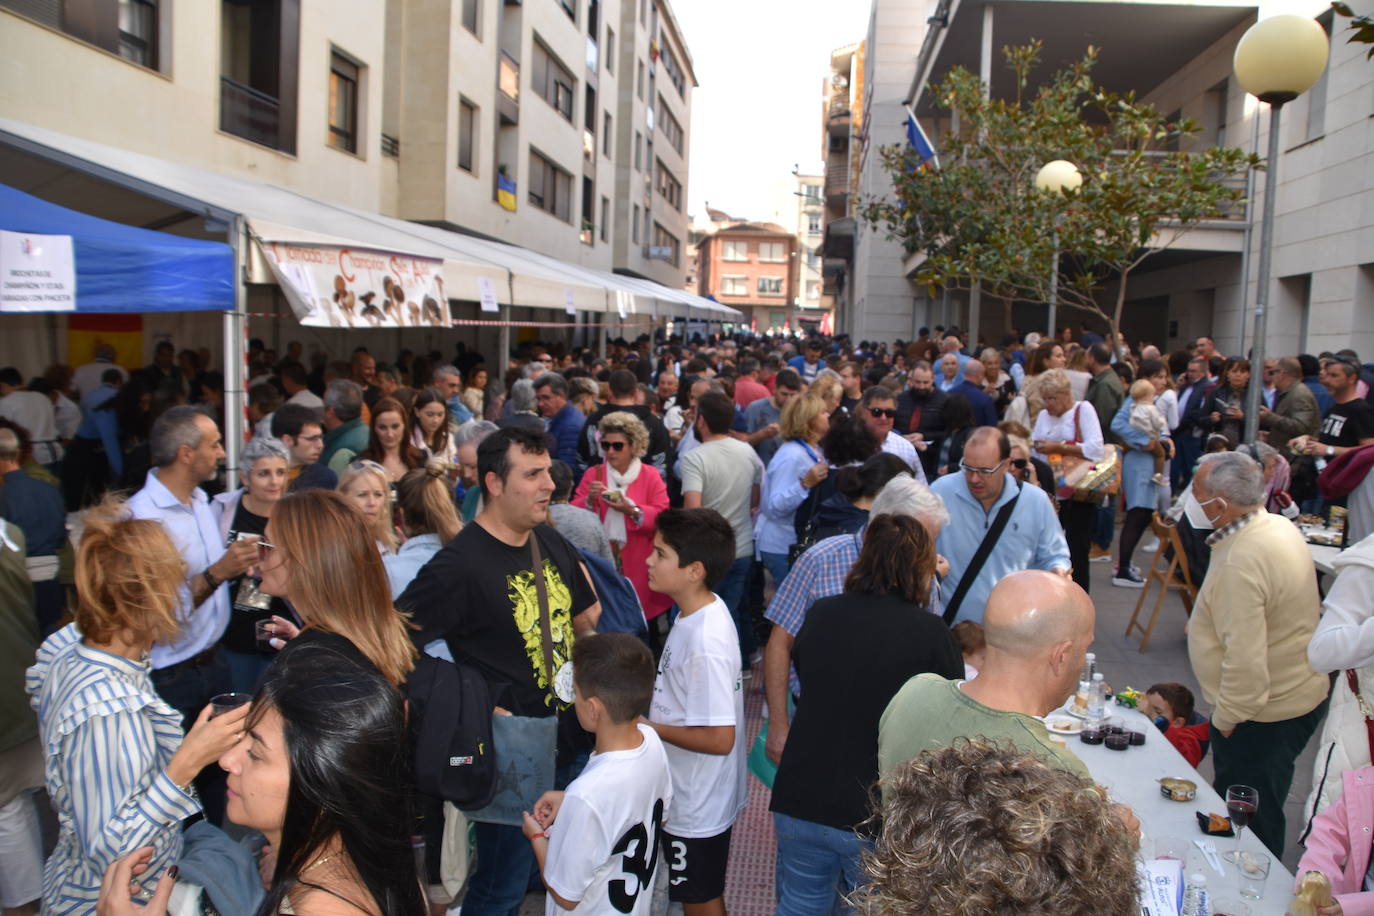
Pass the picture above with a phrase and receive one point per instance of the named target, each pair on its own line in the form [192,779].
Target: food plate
[1059,724]
[1070,711]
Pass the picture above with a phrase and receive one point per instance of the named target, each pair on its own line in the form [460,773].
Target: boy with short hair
[1170,705]
[597,843]
[698,706]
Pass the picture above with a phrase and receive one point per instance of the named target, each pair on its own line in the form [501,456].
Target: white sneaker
[1152,547]
[1128,579]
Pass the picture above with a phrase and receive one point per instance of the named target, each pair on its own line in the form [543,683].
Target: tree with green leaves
[979,219]
[1362,26]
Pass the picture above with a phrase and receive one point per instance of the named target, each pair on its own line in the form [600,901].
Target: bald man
[1038,626]
[984,409]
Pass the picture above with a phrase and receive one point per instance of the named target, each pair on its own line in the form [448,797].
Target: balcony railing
[837,178]
[245,112]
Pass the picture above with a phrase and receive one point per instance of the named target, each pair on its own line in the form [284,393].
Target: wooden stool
[1164,577]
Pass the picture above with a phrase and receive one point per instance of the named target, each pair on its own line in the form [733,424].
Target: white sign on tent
[335,287]
[37,273]
[486,295]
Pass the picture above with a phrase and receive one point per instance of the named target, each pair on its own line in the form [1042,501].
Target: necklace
[320,861]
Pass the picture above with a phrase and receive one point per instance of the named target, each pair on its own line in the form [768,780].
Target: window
[669,126]
[552,80]
[813,290]
[813,193]
[550,188]
[776,320]
[770,286]
[469,16]
[569,7]
[734,286]
[813,224]
[673,69]
[634,226]
[772,252]
[1316,96]
[138,31]
[259,59]
[668,186]
[639,151]
[610,50]
[731,250]
[605,219]
[467,135]
[588,234]
[639,80]
[343,103]
[665,247]
[606,124]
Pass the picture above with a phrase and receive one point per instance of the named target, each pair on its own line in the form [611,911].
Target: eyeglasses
[315,438]
[880,412]
[365,464]
[265,550]
[613,446]
[985,472]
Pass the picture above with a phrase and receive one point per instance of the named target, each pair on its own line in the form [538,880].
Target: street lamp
[1058,177]
[1277,60]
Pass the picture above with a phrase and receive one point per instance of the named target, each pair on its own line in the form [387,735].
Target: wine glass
[1241,802]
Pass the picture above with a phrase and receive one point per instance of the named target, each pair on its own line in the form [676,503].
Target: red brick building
[751,267]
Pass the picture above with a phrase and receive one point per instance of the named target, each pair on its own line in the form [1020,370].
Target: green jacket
[1295,414]
[343,443]
[1106,395]
[18,640]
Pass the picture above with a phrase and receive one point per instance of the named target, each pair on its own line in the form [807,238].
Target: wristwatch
[1330,451]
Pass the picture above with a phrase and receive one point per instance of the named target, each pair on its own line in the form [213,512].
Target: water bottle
[1089,667]
[1195,899]
[1097,697]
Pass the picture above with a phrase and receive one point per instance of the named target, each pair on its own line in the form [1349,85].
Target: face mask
[1196,516]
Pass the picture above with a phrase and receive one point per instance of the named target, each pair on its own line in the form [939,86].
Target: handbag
[1085,480]
[1353,680]
[525,746]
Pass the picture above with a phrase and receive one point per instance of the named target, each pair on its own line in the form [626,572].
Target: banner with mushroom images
[334,287]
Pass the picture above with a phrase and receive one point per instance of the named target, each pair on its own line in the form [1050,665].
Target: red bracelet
[535,836]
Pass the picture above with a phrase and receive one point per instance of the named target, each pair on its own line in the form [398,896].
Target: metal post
[975,316]
[1248,239]
[1054,279]
[234,351]
[504,338]
[1271,182]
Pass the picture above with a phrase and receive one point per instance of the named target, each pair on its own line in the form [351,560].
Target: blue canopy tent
[123,268]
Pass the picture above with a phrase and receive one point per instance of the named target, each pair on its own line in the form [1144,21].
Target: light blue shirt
[107,737]
[405,564]
[1018,375]
[195,533]
[1031,540]
[782,495]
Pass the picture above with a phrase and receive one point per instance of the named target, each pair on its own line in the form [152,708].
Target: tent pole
[234,352]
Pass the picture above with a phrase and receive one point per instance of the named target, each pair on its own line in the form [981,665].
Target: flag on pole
[919,141]
[505,192]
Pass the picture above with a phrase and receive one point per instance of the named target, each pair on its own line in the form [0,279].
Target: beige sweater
[1251,625]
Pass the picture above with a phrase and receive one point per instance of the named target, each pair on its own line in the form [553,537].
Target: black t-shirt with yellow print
[478,595]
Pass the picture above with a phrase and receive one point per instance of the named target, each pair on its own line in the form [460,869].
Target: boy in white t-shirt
[698,706]
[597,843]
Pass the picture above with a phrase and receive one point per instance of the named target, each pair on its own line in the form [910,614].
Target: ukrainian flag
[505,192]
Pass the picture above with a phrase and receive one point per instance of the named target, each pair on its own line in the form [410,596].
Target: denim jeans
[777,565]
[188,688]
[505,865]
[246,669]
[815,865]
[734,591]
[1104,526]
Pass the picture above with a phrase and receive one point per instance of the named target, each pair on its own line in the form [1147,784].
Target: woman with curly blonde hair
[118,765]
[628,496]
[978,828]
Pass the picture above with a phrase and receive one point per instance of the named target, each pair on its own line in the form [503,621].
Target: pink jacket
[1340,841]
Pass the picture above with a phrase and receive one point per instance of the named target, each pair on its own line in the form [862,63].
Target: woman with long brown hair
[390,442]
[881,625]
[117,763]
[320,559]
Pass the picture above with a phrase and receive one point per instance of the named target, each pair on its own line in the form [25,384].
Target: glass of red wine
[1241,802]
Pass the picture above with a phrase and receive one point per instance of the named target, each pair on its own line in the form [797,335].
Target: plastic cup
[224,702]
[265,631]
[1254,872]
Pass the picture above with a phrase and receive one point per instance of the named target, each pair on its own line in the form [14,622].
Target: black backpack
[450,727]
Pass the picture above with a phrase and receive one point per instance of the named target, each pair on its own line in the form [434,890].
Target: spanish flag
[505,192]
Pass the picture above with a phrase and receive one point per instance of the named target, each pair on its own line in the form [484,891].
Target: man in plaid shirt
[820,573]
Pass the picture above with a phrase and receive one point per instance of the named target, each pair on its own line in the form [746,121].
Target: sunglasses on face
[1019,463]
[612,446]
[880,412]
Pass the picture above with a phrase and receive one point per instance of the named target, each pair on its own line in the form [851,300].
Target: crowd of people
[894,539]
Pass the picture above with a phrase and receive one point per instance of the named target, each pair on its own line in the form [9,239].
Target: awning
[123,268]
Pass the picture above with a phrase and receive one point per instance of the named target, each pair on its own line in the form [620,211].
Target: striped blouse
[107,737]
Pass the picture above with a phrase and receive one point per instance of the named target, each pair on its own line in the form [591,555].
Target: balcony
[245,112]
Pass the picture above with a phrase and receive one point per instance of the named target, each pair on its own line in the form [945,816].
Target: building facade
[810,215]
[506,120]
[1179,59]
[752,267]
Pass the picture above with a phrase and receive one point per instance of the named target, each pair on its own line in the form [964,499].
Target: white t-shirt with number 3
[604,844]
[699,683]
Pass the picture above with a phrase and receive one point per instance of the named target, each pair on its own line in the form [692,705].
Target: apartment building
[529,123]
[752,267]
[1177,56]
[841,109]
[810,213]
